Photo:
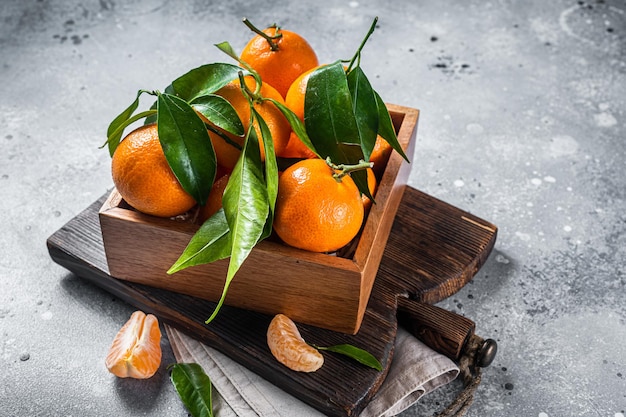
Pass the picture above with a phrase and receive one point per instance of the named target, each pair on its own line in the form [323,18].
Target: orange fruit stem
[268,38]
[342,170]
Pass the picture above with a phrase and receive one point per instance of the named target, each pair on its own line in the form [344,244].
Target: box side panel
[323,295]
[388,197]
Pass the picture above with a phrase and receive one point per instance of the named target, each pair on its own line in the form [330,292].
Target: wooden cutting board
[433,250]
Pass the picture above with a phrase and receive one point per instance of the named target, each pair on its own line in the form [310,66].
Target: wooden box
[325,290]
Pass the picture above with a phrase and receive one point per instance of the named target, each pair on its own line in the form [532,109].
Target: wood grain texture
[324,290]
[432,251]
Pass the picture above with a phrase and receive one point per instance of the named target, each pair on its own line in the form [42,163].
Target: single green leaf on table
[204,80]
[246,207]
[186,145]
[193,387]
[220,112]
[385,127]
[358,354]
[210,243]
[365,109]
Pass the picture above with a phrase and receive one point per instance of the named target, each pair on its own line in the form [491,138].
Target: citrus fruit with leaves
[279,56]
[316,208]
[227,145]
[294,100]
[136,349]
[144,178]
[289,348]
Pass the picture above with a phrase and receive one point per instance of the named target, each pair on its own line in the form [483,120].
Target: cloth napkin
[415,371]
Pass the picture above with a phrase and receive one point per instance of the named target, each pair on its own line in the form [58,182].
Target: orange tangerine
[281,60]
[227,154]
[144,178]
[314,210]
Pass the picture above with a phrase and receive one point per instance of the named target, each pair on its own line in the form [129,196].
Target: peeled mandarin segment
[136,349]
[289,348]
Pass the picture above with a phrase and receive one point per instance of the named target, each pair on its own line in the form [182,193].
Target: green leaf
[328,115]
[220,112]
[365,109]
[153,118]
[114,139]
[193,387]
[358,354]
[114,133]
[211,242]
[246,207]
[187,147]
[205,80]
[296,125]
[385,127]
[228,50]
[271,166]
[271,171]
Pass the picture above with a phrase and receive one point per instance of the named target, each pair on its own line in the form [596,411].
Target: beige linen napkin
[415,371]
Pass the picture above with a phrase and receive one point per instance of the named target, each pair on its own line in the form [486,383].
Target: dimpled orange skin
[289,348]
[136,349]
[315,212]
[143,177]
[227,154]
[281,67]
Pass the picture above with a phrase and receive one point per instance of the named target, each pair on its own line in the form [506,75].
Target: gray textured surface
[523,110]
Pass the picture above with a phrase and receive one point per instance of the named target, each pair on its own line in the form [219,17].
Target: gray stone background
[522,124]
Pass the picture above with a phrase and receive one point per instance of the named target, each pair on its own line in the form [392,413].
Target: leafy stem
[346,169]
[252,96]
[118,131]
[223,136]
[228,50]
[357,55]
[268,38]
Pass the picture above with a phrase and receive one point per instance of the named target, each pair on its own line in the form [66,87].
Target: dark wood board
[433,250]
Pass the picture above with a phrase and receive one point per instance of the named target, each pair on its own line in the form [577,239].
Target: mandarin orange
[289,348]
[294,100]
[314,210]
[214,202]
[144,178]
[136,349]
[228,153]
[281,59]
[372,184]
[380,155]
